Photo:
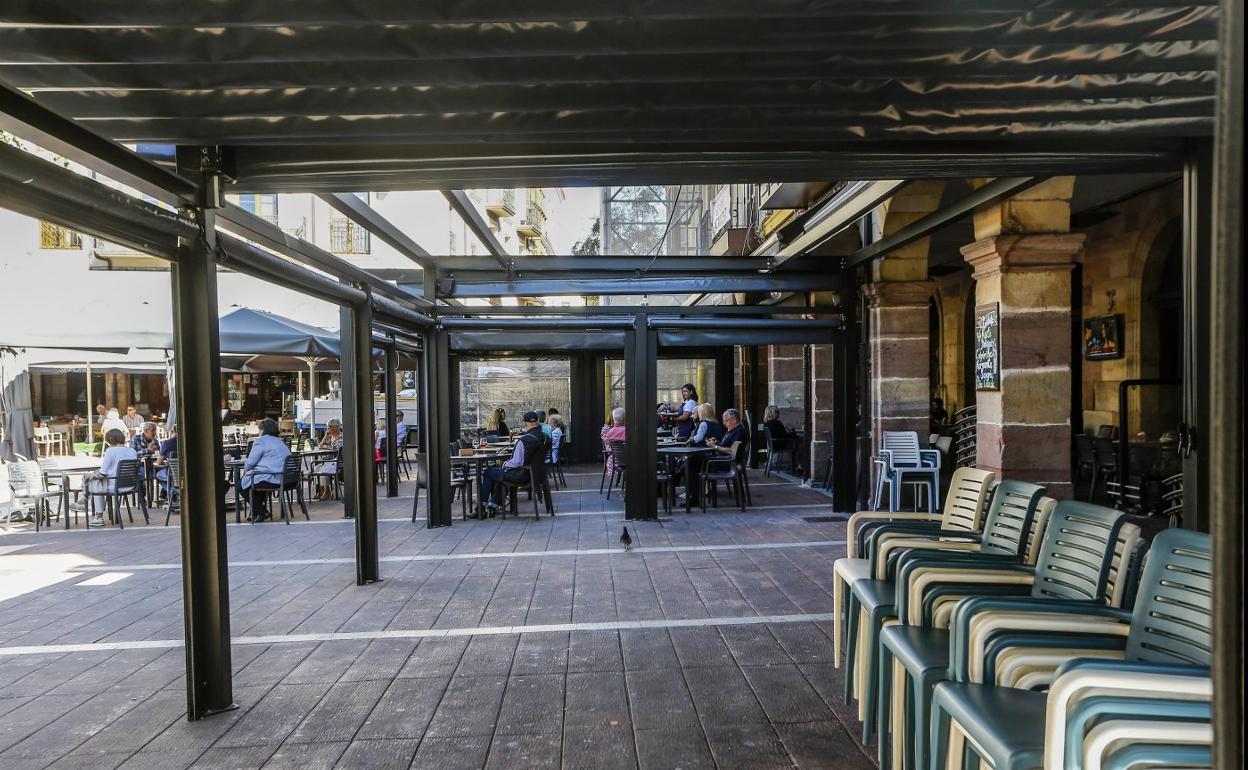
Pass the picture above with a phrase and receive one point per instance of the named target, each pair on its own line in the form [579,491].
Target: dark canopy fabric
[19,417]
[256,332]
[485,341]
[450,93]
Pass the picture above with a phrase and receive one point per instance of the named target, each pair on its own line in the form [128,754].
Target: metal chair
[1085,465]
[126,484]
[174,502]
[535,483]
[777,448]
[1106,470]
[618,454]
[333,477]
[727,470]
[291,483]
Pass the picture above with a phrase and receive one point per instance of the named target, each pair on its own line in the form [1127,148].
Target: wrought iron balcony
[501,202]
[346,237]
[533,223]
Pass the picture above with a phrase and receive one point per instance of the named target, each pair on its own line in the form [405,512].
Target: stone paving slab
[761,694]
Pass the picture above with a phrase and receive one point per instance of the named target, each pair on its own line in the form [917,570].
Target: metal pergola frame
[190,240]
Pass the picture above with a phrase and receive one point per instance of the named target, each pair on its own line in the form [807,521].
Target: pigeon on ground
[625,540]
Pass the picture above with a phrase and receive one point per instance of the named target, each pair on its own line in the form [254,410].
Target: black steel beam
[1197,249]
[994,192]
[326,168]
[392,408]
[350,206]
[27,119]
[359,472]
[468,212]
[691,284]
[466,265]
[745,323]
[1226,394]
[269,235]
[640,385]
[657,311]
[205,563]
[437,393]
[514,324]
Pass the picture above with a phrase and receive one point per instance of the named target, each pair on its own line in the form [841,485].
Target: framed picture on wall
[988,347]
[1102,337]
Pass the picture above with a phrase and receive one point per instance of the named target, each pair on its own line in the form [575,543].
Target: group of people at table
[540,431]
[261,472]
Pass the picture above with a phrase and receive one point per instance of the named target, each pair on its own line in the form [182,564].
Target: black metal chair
[175,484]
[291,483]
[332,476]
[618,454]
[1106,464]
[728,471]
[1085,465]
[128,484]
[827,464]
[776,449]
[535,482]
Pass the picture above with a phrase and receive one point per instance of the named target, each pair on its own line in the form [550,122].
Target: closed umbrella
[19,416]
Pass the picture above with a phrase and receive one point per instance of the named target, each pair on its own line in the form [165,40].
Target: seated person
[133,419]
[262,473]
[734,431]
[106,479]
[497,424]
[144,442]
[616,432]
[113,421]
[775,429]
[332,439]
[707,428]
[532,442]
[541,421]
[168,448]
[556,436]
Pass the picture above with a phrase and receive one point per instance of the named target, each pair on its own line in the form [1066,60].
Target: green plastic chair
[1081,549]
[872,601]
[1164,656]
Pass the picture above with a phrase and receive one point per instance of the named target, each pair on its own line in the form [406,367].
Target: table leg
[65,498]
[238,498]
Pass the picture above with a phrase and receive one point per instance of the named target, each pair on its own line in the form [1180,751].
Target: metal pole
[90,412]
[437,398]
[312,400]
[640,385]
[205,574]
[392,408]
[845,417]
[1197,233]
[357,422]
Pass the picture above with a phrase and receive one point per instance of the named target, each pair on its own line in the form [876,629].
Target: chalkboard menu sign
[988,347]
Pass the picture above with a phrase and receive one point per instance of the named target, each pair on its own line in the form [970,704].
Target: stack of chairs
[1036,634]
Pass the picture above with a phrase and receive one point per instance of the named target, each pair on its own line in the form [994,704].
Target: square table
[66,466]
[670,453]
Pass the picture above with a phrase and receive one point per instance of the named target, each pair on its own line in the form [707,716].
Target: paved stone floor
[509,644]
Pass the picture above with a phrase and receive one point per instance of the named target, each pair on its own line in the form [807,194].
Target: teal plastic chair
[1074,563]
[1006,528]
[1164,656]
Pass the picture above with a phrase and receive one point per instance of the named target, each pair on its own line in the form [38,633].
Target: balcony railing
[56,237]
[533,223]
[501,202]
[346,237]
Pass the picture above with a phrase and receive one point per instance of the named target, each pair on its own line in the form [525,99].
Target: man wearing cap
[528,447]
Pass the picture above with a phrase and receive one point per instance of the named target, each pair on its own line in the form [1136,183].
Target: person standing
[688,409]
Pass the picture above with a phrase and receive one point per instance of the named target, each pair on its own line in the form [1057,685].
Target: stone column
[898,318]
[1024,428]
[821,409]
[785,388]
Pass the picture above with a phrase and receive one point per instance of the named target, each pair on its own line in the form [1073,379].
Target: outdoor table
[475,463]
[66,466]
[670,453]
[235,466]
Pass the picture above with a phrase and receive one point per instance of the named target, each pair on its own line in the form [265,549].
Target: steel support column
[640,386]
[359,471]
[205,572]
[844,447]
[581,437]
[438,397]
[1197,248]
[392,408]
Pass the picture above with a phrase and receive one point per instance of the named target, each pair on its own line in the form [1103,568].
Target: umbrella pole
[312,402]
[90,411]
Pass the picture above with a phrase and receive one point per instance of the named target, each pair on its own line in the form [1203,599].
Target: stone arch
[915,201]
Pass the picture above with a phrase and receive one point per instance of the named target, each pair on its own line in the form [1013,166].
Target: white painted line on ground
[621,625]
[489,555]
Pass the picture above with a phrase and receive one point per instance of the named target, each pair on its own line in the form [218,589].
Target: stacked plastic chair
[964,508]
[903,458]
[1085,554]
[1147,707]
[872,601]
